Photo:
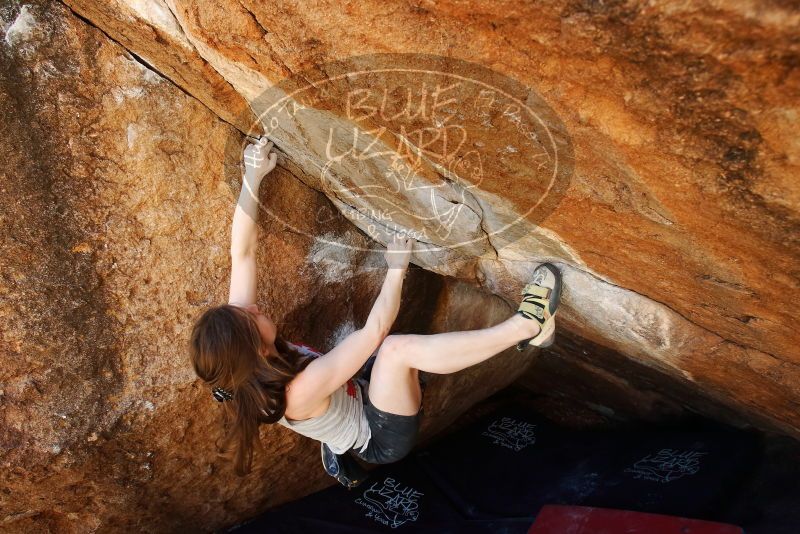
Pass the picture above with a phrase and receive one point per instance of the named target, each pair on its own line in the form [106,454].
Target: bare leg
[453,351]
[394,385]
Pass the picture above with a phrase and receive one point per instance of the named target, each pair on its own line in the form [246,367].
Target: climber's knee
[392,350]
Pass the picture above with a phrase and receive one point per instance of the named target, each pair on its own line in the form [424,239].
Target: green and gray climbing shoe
[540,301]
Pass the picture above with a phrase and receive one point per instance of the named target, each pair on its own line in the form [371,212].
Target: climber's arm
[244,230]
[386,306]
[327,373]
[384,311]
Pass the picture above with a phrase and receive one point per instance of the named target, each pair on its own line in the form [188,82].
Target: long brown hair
[225,350]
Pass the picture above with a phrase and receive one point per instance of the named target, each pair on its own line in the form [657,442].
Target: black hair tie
[221,394]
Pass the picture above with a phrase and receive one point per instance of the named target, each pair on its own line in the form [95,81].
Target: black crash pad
[396,497]
[511,463]
[496,474]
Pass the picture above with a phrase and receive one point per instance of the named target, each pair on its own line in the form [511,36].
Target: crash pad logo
[391,503]
[458,156]
[510,433]
[667,465]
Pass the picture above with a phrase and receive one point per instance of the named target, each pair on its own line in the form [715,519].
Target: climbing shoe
[329,461]
[343,467]
[540,301]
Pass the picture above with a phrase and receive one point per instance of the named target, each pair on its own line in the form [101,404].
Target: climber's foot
[547,336]
[540,301]
[525,327]
[329,460]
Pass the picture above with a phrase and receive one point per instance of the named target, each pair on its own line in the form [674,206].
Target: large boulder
[117,197]
[673,215]
[676,224]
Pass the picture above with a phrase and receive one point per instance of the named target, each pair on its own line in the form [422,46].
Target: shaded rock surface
[676,229]
[118,192]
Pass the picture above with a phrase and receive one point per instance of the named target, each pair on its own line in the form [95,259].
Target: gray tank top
[344,424]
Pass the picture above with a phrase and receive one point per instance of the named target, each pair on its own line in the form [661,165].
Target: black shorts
[393,436]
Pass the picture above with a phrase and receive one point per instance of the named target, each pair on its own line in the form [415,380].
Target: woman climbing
[262,378]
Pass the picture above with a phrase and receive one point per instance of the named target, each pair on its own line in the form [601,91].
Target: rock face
[651,155]
[118,192]
[677,229]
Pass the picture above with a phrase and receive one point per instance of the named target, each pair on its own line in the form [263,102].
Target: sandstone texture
[677,227]
[117,195]
[657,167]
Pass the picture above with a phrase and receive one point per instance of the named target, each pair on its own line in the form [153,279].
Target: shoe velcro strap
[532,309]
[537,291]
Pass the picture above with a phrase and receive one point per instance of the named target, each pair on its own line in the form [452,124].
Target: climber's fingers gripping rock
[398,251]
[259,159]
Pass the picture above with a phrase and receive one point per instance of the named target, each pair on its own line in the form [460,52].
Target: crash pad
[497,473]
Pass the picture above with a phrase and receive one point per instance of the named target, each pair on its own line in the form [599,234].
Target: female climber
[260,377]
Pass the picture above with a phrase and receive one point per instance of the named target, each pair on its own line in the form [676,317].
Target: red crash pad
[554,519]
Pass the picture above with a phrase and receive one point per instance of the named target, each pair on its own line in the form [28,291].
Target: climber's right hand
[398,252]
[259,159]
